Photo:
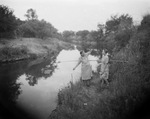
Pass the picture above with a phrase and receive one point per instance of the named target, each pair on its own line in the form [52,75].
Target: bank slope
[24,48]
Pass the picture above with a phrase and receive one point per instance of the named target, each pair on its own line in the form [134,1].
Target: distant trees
[68,35]
[31,14]
[98,36]
[115,33]
[38,29]
[12,27]
[33,27]
[122,22]
[8,22]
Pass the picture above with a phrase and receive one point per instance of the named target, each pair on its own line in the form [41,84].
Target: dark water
[28,89]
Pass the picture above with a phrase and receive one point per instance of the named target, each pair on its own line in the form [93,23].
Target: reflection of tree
[9,88]
[43,67]
[9,73]
[32,80]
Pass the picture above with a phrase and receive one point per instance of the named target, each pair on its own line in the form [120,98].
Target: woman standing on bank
[104,72]
[86,69]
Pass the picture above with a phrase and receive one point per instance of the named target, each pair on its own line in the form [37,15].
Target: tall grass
[9,53]
[118,101]
[126,94]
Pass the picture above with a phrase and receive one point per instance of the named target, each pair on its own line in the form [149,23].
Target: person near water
[104,67]
[86,69]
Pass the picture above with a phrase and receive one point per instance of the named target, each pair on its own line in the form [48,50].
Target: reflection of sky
[41,98]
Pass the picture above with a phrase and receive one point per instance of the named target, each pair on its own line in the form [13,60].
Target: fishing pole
[73,61]
[118,61]
[91,60]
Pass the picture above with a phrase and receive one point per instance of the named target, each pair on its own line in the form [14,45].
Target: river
[33,85]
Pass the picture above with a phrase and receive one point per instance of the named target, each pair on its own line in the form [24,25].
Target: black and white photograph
[74,59]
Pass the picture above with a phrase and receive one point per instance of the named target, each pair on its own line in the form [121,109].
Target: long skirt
[86,72]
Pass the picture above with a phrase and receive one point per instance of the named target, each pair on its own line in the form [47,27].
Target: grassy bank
[19,49]
[122,99]
[127,95]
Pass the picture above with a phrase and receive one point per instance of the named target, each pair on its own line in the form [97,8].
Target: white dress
[86,69]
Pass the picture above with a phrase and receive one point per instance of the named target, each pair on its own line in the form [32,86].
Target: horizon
[76,15]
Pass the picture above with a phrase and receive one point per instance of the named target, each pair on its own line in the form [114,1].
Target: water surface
[34,85]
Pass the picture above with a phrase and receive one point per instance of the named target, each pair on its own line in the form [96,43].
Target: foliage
[113,35]
[129,82]
[8,22]
[144,37]
[82,36]
[116,32]
[31,14]
[123,21]
[13,27]
[38,29]
[68,35]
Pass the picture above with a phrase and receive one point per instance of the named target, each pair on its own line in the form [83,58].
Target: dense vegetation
[17,37]
[12,27]
[127,96]
[129,82]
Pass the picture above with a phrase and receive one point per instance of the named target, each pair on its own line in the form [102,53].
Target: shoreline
[29,48]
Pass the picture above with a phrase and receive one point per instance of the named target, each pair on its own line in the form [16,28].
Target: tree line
[13,27]
[113,35]
[123,39]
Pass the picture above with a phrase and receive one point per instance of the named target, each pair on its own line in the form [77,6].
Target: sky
[78,15]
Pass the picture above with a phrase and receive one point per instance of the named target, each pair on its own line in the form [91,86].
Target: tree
[83,34]
[31,14]
[116,22]
[8,22]
[119,30]
[83,37]
[68,35]
[38,29]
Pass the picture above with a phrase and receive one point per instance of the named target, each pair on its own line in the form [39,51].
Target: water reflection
[10,88]
[43,67]
[33,85]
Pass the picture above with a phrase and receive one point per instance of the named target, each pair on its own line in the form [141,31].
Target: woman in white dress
[86,69]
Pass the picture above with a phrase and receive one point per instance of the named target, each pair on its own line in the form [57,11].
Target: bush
[8,22]
[38,29]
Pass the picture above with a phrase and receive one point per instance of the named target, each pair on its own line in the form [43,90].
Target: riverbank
[126,97]
[26,48]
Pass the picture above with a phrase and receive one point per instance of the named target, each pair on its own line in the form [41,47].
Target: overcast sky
[79,14]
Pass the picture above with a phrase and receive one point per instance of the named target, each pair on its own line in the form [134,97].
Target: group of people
[86,69]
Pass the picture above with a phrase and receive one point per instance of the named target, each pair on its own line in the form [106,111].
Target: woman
[86,69]
[104,72]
